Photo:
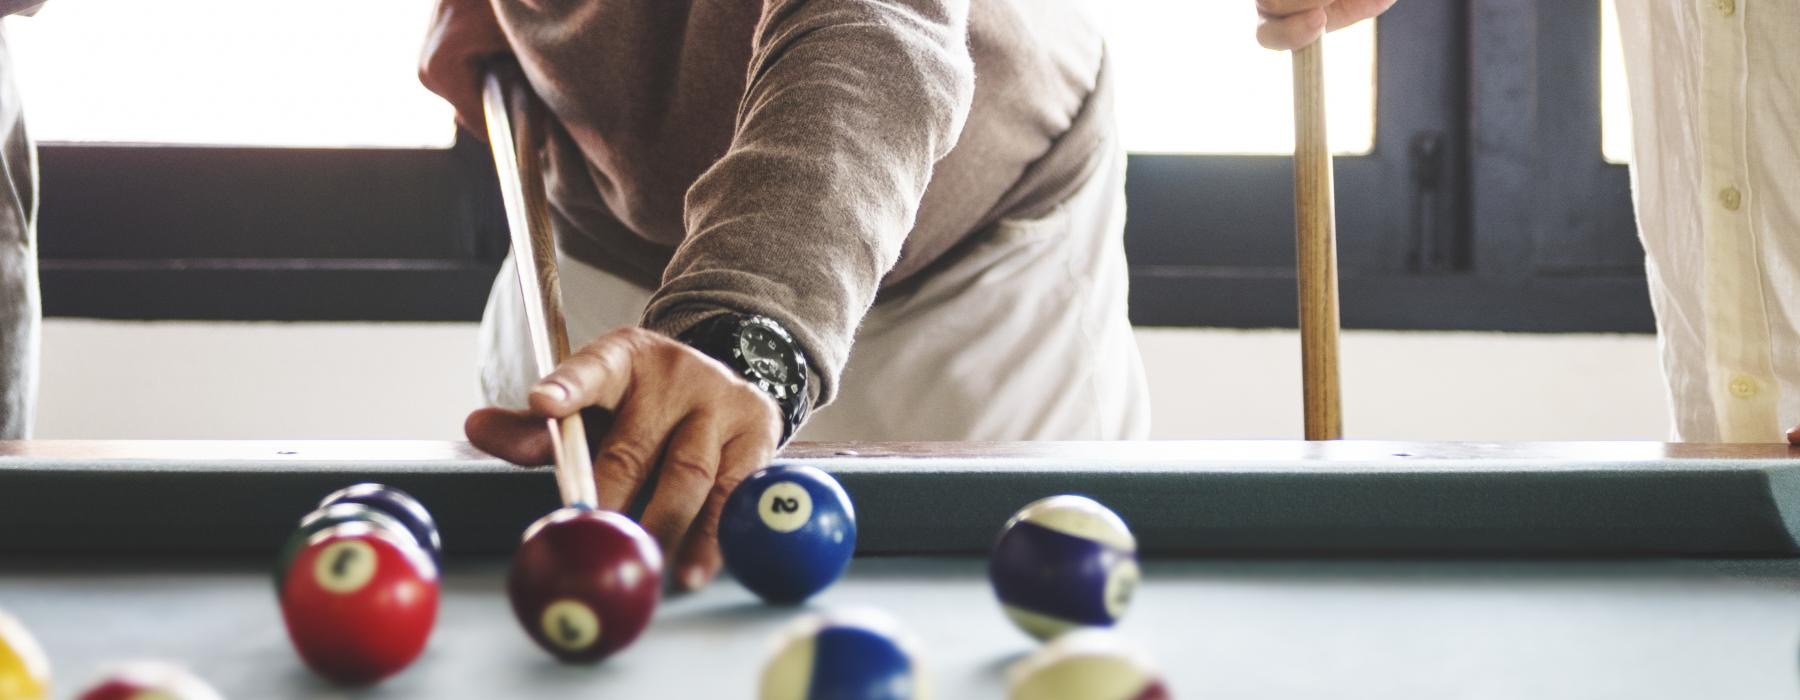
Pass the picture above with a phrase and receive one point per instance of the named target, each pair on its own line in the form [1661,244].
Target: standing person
[752,188]
[1715,105]
[20,315]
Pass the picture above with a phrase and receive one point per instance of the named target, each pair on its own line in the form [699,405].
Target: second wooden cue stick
[1315,220]
[514,124]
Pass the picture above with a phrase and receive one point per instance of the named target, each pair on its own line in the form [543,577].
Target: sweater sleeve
[20,7]
[848,105]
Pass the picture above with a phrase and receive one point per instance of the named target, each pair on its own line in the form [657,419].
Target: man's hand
[464,37]
[674,412]
[1794,436]
[1291,24]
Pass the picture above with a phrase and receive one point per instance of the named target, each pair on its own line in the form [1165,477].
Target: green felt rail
[207,499]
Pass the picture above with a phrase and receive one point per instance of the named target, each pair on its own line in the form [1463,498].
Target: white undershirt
[1715,101]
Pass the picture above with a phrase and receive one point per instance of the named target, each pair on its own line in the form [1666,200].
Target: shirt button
[1730,197]
[1726,7]
[1743,387]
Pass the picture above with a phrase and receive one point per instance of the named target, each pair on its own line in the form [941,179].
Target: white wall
[1411,386]
[105,379]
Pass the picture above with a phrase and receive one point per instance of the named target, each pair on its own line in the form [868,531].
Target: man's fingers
[464,35]
[1275,9]
[596,375]
[1344,13]
[1292,31]
[515,436]
[690,464]
[623,460]
[699,560]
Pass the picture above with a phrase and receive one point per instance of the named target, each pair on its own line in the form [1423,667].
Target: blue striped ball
[844,655]
[1062,563]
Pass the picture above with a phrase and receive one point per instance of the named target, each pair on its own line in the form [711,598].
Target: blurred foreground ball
[24,670]
[855,654]
[1087,664]
[150,680]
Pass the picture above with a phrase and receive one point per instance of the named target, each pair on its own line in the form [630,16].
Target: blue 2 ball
[787,532]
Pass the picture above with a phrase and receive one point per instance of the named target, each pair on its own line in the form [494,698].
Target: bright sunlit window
[341,73]
[318,73]
[1192,79]
[1615,100]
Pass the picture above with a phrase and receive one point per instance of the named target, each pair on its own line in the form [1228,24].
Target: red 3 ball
[359,602]
[585,583]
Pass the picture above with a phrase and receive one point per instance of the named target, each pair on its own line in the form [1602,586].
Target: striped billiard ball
[862,654]
[787,532]
[359,602]
[1062,563]
[1086,664]
[398,504]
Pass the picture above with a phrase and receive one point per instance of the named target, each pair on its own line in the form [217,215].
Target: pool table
[1272,569]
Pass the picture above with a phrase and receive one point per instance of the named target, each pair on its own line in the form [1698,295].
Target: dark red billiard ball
[585,583]
[150,679]
[359,602]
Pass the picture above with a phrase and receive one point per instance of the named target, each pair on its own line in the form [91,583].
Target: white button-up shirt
[1715,101]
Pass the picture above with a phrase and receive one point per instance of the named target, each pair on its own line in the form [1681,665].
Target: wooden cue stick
[514,143]
[1316,244]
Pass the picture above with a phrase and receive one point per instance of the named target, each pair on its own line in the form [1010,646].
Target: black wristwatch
[764,354]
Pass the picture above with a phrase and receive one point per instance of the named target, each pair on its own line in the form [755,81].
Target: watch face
[766,352]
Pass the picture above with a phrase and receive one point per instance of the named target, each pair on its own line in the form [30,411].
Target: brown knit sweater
[794,157]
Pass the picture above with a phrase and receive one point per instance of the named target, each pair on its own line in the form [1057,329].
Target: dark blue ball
[398,504]
[787,532]
[1062,563]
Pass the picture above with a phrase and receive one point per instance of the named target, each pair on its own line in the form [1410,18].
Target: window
[1483,201]
[1151,39]
[331,73]
[257,160]
[1615,100]
[1477,178]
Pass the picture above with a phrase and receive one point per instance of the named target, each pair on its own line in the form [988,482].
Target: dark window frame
[1485,205]
[202,233]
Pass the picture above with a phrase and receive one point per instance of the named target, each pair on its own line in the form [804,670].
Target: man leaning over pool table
[741,189]
[1715,101]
